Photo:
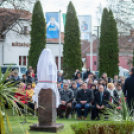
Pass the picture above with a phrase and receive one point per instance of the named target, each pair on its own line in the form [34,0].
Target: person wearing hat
[128,89]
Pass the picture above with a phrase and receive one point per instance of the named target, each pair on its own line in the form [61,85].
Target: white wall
[55,49]
[12,53]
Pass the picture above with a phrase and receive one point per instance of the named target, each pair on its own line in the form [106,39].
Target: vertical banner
[52,20]
[85,26]
[64,18]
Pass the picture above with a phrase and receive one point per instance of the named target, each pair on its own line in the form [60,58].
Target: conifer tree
[103,54]
[108,51]
[113,47]
[72,47]
[38,34]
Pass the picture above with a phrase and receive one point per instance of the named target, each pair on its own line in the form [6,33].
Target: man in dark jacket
[128,89]
[66,99]
[74,90]
[29,77]
[86,74]
[101,100]
[29,69]
[84,97]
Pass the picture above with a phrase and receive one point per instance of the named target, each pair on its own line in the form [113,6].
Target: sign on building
[52,20]
[85,26]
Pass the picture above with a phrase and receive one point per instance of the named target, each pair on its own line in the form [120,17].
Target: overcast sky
[83,7]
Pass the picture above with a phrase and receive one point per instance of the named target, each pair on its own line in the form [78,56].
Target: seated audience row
[81,97]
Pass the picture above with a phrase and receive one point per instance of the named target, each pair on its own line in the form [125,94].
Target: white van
[21,69]
[123,72]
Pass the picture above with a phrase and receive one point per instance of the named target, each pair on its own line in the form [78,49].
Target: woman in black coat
[87,73]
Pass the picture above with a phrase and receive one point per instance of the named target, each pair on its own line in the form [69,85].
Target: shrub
[106,127]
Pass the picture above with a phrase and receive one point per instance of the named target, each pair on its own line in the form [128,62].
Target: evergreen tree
[38,34]
[109,51]
[72,47]
[103,54]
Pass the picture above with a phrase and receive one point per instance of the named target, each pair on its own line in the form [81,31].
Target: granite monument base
[52,128]
[47,112]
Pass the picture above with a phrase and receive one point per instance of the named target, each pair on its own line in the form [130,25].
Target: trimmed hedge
[106,127]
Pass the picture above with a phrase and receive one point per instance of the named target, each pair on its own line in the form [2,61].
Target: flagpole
[59,59]
[91,52]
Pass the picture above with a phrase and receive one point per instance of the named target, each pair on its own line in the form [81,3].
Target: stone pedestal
[47,112]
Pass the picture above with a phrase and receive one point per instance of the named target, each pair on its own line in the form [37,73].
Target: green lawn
[17,127]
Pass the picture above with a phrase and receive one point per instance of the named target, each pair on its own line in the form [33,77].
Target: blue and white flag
[52,20]
[85,26]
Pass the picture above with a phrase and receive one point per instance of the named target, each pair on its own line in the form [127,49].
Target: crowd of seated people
[86,93]
[83,94]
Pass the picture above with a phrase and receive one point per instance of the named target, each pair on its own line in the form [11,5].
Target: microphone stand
[25,119]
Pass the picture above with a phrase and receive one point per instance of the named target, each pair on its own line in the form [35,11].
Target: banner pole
[59,59]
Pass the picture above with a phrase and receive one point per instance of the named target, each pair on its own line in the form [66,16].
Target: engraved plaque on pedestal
[47,112]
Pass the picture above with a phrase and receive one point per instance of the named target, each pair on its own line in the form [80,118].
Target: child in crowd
[30,93]
[33,85]
[21,95]
[119,90]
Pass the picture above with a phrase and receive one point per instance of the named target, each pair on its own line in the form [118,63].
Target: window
[22,60]
[25,29]
[19,60]
[95,63]
[56,60]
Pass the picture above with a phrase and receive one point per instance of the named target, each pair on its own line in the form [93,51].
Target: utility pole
[59,57]
[98,44]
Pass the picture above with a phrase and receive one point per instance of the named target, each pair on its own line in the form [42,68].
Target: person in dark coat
[84,99]
[74,90]
[29,69]
[78,75]
[101,99]
[24,78]
[128,89]
[66,100]
[29,78]
[86,74]
[93,88]
[15,78]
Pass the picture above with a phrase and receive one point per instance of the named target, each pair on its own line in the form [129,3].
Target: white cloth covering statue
[46,75]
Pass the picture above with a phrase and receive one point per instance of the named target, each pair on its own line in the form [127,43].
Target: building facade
[15,44]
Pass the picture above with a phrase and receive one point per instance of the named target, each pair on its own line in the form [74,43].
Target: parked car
[21,69]
[123,72]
